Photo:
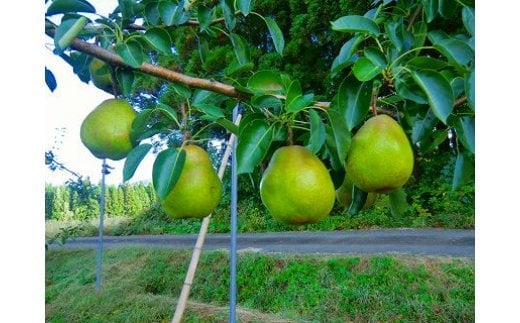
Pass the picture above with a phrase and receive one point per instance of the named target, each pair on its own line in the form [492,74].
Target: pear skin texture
[106,130]
[296,188]
[100,75]
[198,189]
[381,157]
[344,194]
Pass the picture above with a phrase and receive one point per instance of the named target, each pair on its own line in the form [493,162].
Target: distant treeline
[80,201]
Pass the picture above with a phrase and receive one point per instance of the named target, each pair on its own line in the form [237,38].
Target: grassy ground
[141,285]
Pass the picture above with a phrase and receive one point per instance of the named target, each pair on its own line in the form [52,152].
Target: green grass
[141,285]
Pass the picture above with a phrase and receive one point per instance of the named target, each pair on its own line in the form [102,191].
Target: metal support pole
[233,242]
[104,171]
[185,292]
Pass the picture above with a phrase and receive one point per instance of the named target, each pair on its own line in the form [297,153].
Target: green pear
[100,75]
[381,157]
[106,130]
[344,194]
[296,188]
[198,189]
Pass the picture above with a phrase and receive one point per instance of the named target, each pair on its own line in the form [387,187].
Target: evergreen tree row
[81,202]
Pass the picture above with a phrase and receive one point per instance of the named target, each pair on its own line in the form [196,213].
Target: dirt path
[438,242]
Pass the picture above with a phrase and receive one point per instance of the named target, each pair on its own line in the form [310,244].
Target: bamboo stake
[188,280]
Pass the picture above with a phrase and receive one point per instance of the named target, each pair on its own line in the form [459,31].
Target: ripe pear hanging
[381,157]
[296,187]
[198,189]
[106,130]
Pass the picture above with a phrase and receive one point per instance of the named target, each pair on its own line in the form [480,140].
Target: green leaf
[276,34]
[428,144]
[167,11]
[294,91]
[64,6]
[210,109]
[50,80]
[464,170]
[339,138]
[203,49]
[465,127]
[431,7]
[133,159]
[266,101]
[228,125]
[398,203]
[317,133]
[141,121]
[356,24]
[455,50]
[168,111]
[205,17]
[80,64]
[457,85]
[245,6]
[265,82]
[395,31]
[205,96]
[166,170]
[247,119]
[437,35]
[408,89]
[159,39]
[469,88]
[125,79]
[300,102]
[359,198]
[236,68]
[280,133]
[424,126]
[468,18]
[241,49]
[376,57]
[182,90]
[438,91]
[448,9]
[228,10]
[151,13]
[418,34]
[172,13]
[353,101]
[67,31]
[253,144]
[131,52]
[346,55]
[365,70]
[426,63]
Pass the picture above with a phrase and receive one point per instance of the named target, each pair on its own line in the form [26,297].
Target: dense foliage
[305,72]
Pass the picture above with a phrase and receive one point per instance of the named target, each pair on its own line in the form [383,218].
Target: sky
[65,109]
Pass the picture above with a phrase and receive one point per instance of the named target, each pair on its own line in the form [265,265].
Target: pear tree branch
[154,70]
[176,77]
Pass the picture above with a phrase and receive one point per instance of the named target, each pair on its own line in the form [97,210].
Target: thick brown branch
[154,70]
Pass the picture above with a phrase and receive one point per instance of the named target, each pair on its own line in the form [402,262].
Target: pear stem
[290,140]
[374,101]
[187,134]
